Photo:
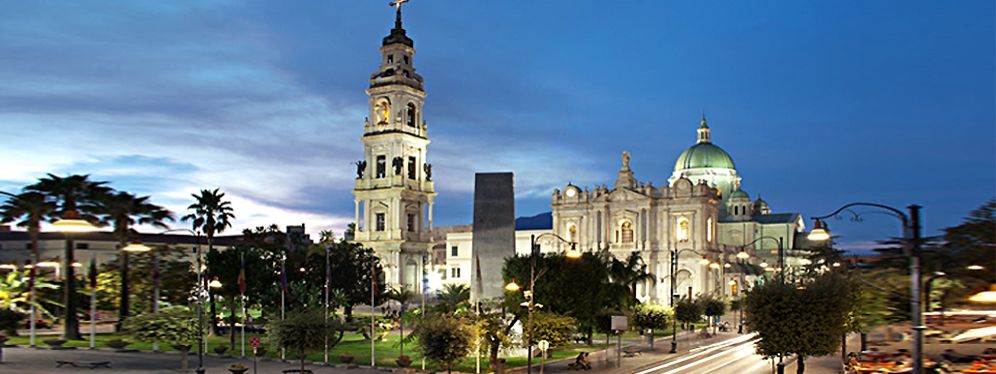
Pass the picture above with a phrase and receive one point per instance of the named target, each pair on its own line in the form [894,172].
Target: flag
[242,275]
[92,275]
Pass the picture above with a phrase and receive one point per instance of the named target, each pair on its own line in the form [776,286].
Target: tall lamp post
[530,295]
[742,257]
[137,246]
[674,270]
[70,223]
[911,243]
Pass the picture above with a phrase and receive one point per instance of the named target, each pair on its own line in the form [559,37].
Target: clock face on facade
[571,192]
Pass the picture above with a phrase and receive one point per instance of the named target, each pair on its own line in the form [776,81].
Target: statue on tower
[397,163]
[361,167]
[427,168]
[625,160]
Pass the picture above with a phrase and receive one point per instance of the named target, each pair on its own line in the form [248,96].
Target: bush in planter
[220,349]
[346,358]
[117,344]
[237,368]
[9,321]
[171,326]
[404,361]
[303,331]
[445,339]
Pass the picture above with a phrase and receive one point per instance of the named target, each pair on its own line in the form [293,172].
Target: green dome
[739,194]
[704,155]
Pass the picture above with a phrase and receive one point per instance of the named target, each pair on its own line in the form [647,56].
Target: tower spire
[703,130]
[397,5]
[398,32]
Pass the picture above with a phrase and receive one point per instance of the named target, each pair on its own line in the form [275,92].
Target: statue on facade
[427,168]
[361,167]
[625,160]
[397,163]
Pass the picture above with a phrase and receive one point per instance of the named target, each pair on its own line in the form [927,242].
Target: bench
[630,351]
[291,371]
[90,365]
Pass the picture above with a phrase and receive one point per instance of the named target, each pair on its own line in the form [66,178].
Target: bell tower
[394,192]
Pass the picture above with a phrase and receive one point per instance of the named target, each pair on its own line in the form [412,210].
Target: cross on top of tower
[397,5]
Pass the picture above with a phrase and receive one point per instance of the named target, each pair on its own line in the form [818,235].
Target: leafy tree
[713,307]
[649,316]
[226,266]
[688,311]
[494,325]
[579,288]
[628,274]
[805,321]
[10,321]
[868,310]
[452,298]
[76,196]
[173,325]
[122,210]
[302,331]
[554,328]
[210,214]
[15,294]
[352,267]
[445,339]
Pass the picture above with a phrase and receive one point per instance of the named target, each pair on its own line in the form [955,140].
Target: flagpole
[283,291]
[425,289]
[373,331]
[93,302]
[327,286]
[155,292]
[31,291]
[242,294]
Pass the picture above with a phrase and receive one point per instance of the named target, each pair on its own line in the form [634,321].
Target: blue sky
[819,103]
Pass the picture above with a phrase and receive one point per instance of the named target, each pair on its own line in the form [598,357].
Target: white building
[700,214]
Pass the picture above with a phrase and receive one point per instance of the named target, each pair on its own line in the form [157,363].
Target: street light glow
[512,286]
[820,232]
[136,247]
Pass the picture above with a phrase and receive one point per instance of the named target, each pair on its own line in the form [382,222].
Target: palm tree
[403,296]
[628,274]
[452,296]
[122,210]
[31,208]
[76,195]
[211,214]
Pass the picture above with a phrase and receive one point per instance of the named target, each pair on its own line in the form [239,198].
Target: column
[430,214]
[356,214]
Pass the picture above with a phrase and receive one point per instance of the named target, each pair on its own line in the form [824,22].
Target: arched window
[709,230]
[412,114]
[626,229]
[572,233]
[382,111]
[682,230]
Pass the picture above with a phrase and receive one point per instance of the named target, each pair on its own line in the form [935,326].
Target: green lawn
[387,351]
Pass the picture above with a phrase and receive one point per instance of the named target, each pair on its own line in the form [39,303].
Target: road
[733,356]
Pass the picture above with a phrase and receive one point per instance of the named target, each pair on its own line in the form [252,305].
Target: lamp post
[530,295]
[911,243]
[137,246]
[742,257]
[70,223]
[674,270]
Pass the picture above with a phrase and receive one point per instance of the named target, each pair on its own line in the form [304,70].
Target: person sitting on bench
[581,362]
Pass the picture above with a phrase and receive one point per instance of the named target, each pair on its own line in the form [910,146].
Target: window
[82,245]
[380,221]
[709,229]
[411,115]
[390,59]
[411,222]
[406,74]
[682,231]
[572,233]
[381,166]
[454,251]
[455,272]
[405,58]
[627,232]
[411,167]
[382,111]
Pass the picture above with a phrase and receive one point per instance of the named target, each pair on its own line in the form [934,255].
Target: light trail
[700,352]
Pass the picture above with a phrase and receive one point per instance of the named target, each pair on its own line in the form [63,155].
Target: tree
[352,269]
[404,297]
[713,307]
[445,339]
[173,325]
[554,328]
[76,196]
[122,210]
[688,311]
[628,274]
[807,320]
[452,298]
[302,331]
[29,209]
[495,325]
[650,316]
[227,265]
[15,294]
[210,214]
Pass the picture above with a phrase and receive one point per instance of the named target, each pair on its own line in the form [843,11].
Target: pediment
[625,194]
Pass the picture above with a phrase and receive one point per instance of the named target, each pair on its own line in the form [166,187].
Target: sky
[819,103]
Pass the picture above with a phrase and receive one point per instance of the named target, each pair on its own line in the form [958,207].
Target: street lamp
[911,242]
[530,294]
[742,257]
[70,223]
[704,261]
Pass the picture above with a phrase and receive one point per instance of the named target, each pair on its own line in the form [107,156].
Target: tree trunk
[651,339]
[124,306]
[800,368]
[864,341]
[70,324]
[183,359]
[302,362]
[401,328]
[214,316]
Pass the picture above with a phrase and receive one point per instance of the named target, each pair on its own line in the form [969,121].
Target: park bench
[631,351]
[90,365]
[299,371]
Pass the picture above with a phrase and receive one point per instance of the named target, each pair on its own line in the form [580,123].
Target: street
[731,356]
